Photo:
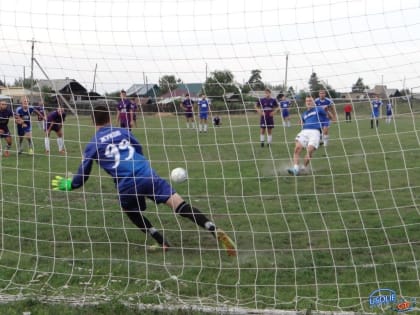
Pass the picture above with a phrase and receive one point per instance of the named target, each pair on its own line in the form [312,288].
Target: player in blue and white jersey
[23,121]
[376,111]
[203,110]
[309,137]
[120,155]
[328,105]
[389,112]
[284,104]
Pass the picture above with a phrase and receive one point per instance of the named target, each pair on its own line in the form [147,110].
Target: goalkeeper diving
[121,156]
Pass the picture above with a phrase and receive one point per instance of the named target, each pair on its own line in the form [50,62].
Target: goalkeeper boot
[226,241]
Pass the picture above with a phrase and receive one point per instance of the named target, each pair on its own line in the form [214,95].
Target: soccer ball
[179,175]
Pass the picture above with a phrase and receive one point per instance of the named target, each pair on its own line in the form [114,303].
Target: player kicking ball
[121,156]
[310,135]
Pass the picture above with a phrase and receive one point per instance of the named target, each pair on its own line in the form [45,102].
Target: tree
[359,86]
[168,83]
[314,85]
[25,83]
[255,81]
[219,83]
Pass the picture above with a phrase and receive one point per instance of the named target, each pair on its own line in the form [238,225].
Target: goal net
[343,236]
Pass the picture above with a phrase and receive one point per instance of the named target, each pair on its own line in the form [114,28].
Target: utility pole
[32,41]
[94,79]
[285,75]
[206,71]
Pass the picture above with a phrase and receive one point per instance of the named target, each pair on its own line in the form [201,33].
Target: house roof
[191,88]
[141,89]
[59,84]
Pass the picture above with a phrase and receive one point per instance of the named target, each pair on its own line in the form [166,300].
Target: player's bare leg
[60,142]
[262,137]
[296,156]
[269,136]
[176,203]
[325,135]
[8,146]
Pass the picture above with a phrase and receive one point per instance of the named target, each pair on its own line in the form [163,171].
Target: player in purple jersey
[328,105]
[23,121]
[135,105]
[188,106]
[5,114]
[310,135]
[284,105]
[125,111]
[121,156]
[55,121]
[266,107]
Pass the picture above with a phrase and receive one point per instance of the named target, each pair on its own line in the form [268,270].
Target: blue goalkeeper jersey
[119,154]
[313,118]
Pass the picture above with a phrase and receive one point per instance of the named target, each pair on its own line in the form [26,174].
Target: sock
[60,142]
[188,125]
[269,138]
[288,123]
[262,138]
[47,144]
[377,122]
[296,167]
[205,127]
[185,210]
[157,236]
[326,137]
[371,123]
[200,126]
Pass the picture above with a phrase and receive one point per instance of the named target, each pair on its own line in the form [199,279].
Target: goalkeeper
[120,155]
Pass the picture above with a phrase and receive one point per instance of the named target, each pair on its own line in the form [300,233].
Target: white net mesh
[322,241]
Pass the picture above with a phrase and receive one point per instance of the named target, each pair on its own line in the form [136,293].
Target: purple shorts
[267,122]
[55,127]
[189,115]
[6,131]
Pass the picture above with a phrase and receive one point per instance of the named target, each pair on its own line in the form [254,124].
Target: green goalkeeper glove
[60,183]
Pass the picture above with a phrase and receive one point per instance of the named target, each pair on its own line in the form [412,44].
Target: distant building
[15,93]
[143,90]
[70,89]
[381,90]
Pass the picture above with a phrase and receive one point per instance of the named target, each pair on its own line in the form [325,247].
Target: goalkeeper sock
[47,144]
[185,210]
[157,236]
[60,143]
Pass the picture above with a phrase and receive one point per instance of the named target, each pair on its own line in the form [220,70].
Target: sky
[130,41]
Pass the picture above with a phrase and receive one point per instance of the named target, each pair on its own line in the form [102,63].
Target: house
[383,92]
[150,90]
[70,89]
[193,89]
[15,93]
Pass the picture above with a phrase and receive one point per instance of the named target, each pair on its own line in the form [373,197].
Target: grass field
[323,241]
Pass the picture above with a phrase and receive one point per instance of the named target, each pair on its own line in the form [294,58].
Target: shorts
[6,132]
[23,130]
[55,127]
[389,113]
[189,115]
[375,115]
[267,122]
[326,123]
[309,137]
[125,124]
[204,115]
[285,113]
[153,187]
